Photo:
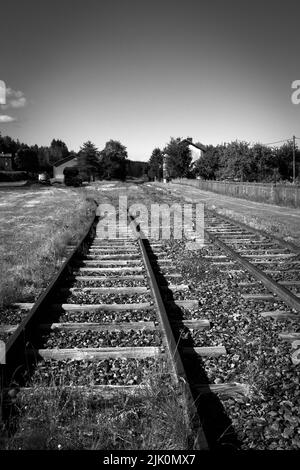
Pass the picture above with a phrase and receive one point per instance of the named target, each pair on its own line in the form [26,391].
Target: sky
[143,71]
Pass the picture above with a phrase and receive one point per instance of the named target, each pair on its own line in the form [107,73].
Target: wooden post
[294,160]
[165,168]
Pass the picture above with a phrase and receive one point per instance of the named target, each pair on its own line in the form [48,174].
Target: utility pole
[165,168]
[294,160]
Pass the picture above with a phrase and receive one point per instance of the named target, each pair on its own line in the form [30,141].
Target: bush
[72,177]
[11,176]
[73,181]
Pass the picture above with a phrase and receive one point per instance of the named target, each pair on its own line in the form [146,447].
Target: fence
[284,195]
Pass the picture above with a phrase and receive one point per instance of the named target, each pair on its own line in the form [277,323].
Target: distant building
[60,165]
[6,162]
[197,150]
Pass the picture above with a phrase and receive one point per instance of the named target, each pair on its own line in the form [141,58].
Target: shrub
[72,177]
[10,176]
[73,181]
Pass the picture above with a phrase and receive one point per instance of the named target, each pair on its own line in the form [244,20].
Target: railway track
[119,309]
[273,265]
[108,319]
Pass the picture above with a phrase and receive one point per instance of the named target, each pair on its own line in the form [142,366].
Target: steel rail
[287,296]
[280,241]
[28,330]
[15,351]
[172,347]
[257,231]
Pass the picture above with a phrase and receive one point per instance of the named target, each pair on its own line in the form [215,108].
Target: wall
[195,153]
[285,195]
[58,171]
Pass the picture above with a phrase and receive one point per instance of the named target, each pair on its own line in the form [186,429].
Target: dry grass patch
[33,243]
[66,418]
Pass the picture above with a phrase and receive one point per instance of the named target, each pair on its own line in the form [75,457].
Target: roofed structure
[199,146]
[60,165]
[197,150]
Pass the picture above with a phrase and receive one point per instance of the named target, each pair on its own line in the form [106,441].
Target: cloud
[19,103]
[14,99]
[4,118]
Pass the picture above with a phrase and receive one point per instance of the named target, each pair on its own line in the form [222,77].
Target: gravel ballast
[103,372]
[97,339]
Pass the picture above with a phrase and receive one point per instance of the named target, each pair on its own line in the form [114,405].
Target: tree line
[244,162]
[236,160]
[110,163]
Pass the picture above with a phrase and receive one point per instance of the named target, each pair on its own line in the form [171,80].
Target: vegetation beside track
[63,418]
[37,225]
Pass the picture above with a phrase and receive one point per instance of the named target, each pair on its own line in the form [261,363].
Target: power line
[271,143]
[277,142]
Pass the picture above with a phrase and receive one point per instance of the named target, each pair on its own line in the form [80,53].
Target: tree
[179,158]
[88,160]
[235,162]
[9,145]
[284,160]
[136,169]
[113,160]
[207,166]
[43,154]
[58,151]
[155,164]
[264,162]
[26,159]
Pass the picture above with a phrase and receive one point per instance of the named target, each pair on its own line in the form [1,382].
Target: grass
[70,419]
[36,227]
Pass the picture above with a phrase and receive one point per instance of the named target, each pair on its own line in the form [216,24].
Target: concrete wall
[58,171]
[195,153]
[284,195]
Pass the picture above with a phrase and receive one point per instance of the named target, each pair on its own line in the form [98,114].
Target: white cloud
[4,118]
[19,103]
[14,99]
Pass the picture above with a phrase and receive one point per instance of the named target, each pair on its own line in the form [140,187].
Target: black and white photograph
[149,230]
